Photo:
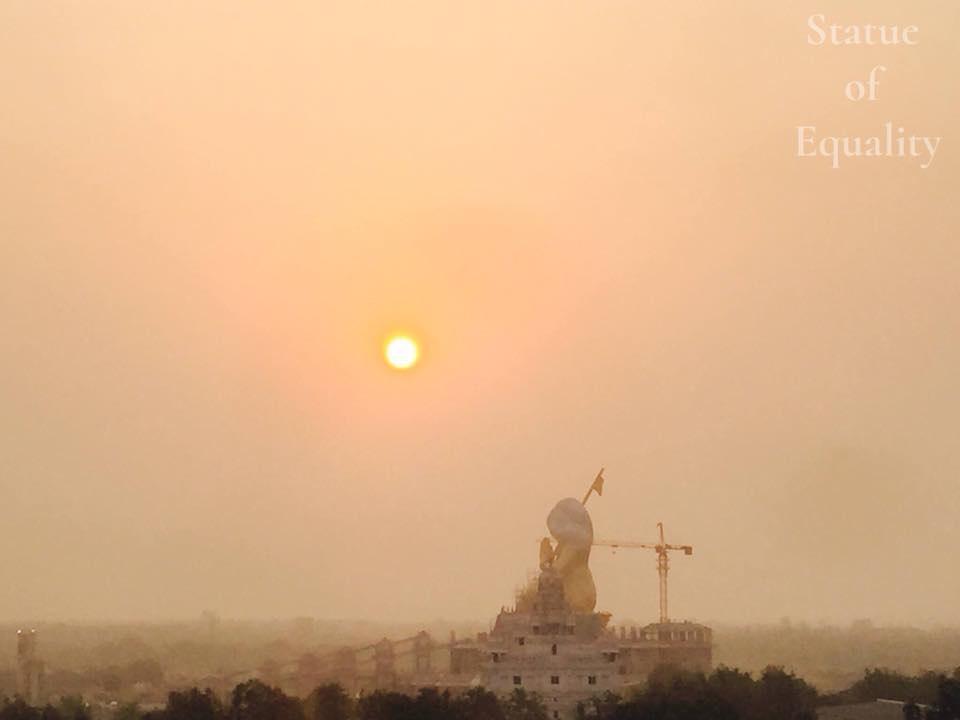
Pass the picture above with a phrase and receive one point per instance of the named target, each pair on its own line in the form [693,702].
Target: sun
[401,352]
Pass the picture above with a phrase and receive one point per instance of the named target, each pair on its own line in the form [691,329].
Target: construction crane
[663,562]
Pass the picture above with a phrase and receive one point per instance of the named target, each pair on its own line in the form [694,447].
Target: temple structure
[552,642]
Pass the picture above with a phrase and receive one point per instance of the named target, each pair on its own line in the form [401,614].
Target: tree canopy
[669,694]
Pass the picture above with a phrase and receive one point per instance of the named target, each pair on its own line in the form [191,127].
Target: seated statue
[569,523]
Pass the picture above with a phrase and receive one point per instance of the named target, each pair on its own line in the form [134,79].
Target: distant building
[29,668]
[567,657]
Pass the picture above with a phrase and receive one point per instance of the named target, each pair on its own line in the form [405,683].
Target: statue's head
[569,522]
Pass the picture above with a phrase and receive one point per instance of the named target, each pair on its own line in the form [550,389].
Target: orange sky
[590,214]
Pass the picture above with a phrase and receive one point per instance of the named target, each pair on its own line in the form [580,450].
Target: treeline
[926,688]
[724,694]
[670,694]
[70,708]
[833,657]
[253,700]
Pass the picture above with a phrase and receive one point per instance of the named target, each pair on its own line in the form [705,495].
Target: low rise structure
[542,645]
[29,668]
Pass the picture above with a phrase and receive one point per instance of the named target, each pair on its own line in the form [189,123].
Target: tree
[49,712]
[522,705]
[911,711]
[193,704]
[784,696]
[254,700]
[431,704]
[72,707]
[328,702]
[18,709]
[947,706]
[383,705]
[600,707]
[736,688]
[478,704]
[887,684]
[673,694]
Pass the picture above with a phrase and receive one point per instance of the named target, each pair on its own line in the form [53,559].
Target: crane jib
[663,564]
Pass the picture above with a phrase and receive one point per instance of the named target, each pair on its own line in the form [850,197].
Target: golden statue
[569,523]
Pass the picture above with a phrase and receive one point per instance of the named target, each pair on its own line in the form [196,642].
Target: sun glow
[401,352]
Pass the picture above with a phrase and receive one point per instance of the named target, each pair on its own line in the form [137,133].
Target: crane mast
[663,561]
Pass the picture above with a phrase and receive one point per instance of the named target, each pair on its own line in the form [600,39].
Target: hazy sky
[590,213]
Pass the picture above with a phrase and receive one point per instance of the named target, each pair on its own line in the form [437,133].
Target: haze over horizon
[590,216]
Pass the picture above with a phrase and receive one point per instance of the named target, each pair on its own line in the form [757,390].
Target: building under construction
[551,641]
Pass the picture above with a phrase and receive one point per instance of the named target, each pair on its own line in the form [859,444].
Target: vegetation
[670,694]
[725,694]
[70,708]
[141,663]
[890,685]
[833,657]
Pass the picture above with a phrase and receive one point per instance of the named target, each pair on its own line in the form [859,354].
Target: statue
[569,523]
[566,564]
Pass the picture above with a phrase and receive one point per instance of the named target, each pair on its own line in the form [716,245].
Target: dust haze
[589,213]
